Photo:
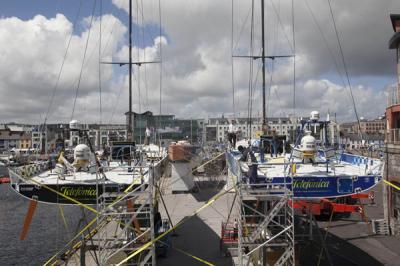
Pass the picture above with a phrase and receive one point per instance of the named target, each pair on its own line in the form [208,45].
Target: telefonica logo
[310,184]
[79,192]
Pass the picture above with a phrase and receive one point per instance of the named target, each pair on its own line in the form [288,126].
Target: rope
[83,60]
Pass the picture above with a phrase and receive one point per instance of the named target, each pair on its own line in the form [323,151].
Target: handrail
[392,135]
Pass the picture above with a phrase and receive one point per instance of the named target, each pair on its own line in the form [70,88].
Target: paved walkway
[199,236]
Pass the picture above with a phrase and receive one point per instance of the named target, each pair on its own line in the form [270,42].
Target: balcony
[393,136]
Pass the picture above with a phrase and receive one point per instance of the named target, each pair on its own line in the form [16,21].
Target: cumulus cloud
[32,52]
[196,61]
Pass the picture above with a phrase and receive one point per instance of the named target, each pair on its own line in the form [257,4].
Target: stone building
[392,149]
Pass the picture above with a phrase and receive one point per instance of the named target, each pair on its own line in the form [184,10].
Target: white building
[216,129]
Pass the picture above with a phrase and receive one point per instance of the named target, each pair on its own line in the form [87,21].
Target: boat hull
[83,193]
[305,187]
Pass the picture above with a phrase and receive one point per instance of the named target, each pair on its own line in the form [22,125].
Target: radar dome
[82,152]
[308,143]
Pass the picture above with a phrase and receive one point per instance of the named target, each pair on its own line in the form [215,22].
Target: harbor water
[47,233]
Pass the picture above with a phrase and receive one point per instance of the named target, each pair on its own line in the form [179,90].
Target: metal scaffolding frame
[131,224]
[265,223]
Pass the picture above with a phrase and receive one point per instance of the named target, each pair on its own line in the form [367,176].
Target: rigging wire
[144,59]
[62,63]
[116,105]
[138,52]
[294,65]
[250,93]
[109,37]
[83,60]
[242,28]
[101,13]
[270,86]
[232,69]
[273,45]
[274,48]
[345,68]
[325,41]
[279,101]
[281,24]
[161,66]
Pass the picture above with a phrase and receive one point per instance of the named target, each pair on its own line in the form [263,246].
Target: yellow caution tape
[125,191]
[193,256]
[63,217]
[213,159]
[80,232]
[391,184]
[148,244]
[88,225]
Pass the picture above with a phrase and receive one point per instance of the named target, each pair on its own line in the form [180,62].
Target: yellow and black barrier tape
[185,219]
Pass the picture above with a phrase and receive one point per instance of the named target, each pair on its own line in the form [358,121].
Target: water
[47,233]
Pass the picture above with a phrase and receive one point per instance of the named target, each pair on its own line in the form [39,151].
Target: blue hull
[310,186]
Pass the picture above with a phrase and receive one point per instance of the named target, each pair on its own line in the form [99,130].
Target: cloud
[196,61]
[33,51]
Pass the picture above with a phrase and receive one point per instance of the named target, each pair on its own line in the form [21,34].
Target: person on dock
[249,157]
[232,131]
[147,136]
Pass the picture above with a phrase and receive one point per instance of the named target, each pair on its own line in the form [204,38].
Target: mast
[264,122]
[130,134]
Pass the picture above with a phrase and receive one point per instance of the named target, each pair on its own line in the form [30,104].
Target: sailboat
[125,165]
[312,168]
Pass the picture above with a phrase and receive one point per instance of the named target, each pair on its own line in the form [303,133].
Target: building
[26,141]
[164,127]
[10,136]
[354,142]
[101,135]
[216,129]
[392,150]
[373,126]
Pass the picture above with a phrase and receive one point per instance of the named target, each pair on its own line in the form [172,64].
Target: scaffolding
[130,224]
[265,220]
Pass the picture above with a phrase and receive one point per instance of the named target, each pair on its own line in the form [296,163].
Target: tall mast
[130,134]
[264,121]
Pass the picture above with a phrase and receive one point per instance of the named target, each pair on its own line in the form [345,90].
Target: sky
[50,52]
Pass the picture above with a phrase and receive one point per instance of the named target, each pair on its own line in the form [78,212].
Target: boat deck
[276,167]
[121,176]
